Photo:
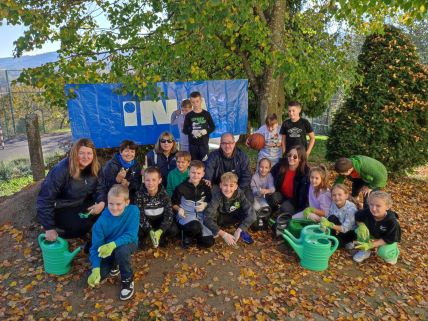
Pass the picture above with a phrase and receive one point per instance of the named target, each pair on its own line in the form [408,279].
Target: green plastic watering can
[314,251]
[313,229]
[296,226]
[56,256]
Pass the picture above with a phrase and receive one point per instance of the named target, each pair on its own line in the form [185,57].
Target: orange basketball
[256,141]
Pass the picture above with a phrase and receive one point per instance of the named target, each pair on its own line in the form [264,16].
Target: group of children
[179,200]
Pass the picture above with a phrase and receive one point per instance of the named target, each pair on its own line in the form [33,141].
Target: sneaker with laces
[246,237]
[360,256]
[349,246]
[127,289]
[114,271]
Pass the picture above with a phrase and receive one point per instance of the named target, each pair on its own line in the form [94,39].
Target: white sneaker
[392,262]
[349,246]
[360,256]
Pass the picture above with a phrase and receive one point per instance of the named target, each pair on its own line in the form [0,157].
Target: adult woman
[291,179]
[163,155]
[70,188]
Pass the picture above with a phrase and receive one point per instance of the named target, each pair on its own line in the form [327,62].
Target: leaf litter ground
[263,281]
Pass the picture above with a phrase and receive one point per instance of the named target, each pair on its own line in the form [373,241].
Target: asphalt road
[17,147]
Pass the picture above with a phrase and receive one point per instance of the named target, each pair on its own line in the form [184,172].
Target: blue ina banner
[101,113]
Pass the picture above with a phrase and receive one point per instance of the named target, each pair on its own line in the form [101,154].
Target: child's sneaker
[360,256]
[114,271]
[392,262]
[246,237]
[349,246]
[127,289]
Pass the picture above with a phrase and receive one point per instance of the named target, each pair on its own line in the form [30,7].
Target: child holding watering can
[319,195]
[341,217]
[114,239]
[378,228]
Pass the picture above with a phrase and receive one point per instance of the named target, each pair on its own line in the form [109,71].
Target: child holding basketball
[272,147]
[319,195]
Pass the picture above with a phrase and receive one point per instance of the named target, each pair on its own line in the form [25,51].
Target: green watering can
[315,250]
[313,229]
[56,256]
[296,226]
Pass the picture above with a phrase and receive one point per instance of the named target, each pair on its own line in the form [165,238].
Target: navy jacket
[113,167]
[218,164]
[165,164]
[60,190]
[301,185]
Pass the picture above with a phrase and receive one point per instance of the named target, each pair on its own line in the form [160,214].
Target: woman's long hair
[73,162]
[301,168]
[166,135]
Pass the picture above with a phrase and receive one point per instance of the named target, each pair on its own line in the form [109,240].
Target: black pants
[121,256]
[343,238]
[199,152]
[68,219]
[279,204]
[144,231]
[193,229]
[357,185]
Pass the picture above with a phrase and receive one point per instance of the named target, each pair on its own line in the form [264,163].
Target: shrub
[386,115]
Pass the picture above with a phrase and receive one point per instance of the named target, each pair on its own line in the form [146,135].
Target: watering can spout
[298,248]
[69,256]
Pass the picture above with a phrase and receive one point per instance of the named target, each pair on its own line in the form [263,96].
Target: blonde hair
[119,190]
[183,154]
[229,177]
[340,186]
[386,197]
[322,170]
[73,161]
[264,159]
[158,148]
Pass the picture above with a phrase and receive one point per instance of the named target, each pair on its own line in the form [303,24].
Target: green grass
[14,185]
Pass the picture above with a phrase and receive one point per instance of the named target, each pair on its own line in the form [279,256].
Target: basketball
[256,141]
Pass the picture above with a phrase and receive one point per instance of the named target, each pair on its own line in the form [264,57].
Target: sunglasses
[292,156]
[170,141]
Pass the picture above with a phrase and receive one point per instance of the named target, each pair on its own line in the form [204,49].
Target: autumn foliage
[386,115]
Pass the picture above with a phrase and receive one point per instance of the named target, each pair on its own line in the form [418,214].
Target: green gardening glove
[363,234]
[326,223]
[95,277]
[365,246]
[308,211]
[106,249]
[155,236]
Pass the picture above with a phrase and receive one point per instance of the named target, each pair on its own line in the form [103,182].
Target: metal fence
[17,100]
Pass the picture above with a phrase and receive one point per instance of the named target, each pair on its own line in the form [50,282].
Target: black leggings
[68,219]
[198,152]
[193,229]
[343,238]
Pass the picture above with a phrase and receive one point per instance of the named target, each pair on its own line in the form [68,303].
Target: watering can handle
[42,239]
[291,236]
[335,244]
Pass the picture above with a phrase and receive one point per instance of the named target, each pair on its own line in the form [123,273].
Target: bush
[385,116]
[14,169]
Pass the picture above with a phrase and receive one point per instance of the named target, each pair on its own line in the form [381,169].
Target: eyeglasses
[164,141]
[292,156]
[227,143]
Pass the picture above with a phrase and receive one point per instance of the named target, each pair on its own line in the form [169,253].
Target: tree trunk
[35,147]
[271,98]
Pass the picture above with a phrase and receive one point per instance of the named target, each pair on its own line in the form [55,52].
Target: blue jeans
[121,256]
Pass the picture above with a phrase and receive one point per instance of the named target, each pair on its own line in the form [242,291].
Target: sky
[8,34]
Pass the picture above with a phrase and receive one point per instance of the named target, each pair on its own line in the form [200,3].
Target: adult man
[229,158]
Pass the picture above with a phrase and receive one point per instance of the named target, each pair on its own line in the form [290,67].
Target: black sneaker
[127,289]
[114,271]
[187,242]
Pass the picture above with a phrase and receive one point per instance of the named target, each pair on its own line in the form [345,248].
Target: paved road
[18,147]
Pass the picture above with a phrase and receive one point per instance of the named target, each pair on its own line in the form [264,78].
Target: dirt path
[263,281]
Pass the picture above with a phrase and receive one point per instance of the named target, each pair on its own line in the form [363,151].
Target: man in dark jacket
[229,158]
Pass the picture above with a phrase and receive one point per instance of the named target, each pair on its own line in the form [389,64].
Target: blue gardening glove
[155,236]
[365,246]
[326,223]
[307,211]
[363,234]
[95,277]
[106,249]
